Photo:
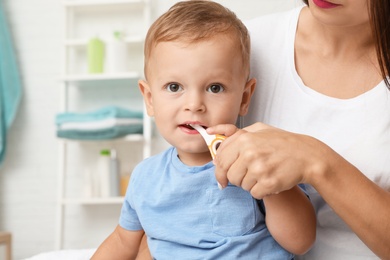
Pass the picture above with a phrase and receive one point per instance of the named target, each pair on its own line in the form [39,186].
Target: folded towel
[105,123]
[99,125]
[100,114]
[102,134]
[10,84]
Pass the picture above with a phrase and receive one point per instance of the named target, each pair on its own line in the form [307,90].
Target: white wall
[245,9]
[28,177]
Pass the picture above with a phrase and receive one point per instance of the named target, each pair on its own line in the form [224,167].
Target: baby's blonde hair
[196,20]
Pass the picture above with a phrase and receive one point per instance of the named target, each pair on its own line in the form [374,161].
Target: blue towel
[99,133]
[10,84]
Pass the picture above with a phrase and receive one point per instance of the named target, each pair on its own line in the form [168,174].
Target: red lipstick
[325,4]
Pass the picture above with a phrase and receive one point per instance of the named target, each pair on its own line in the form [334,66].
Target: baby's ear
[147,94]
[247,95]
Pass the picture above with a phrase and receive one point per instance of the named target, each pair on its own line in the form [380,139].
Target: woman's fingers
[236,172]
[261,159]
[257,127]
[222,129]
[222,167]
[230,129]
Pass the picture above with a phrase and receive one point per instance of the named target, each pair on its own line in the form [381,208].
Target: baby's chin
[194,151]
[194,154]
[194,160]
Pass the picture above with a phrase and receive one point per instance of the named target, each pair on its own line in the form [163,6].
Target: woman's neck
[332,40]
[336,61]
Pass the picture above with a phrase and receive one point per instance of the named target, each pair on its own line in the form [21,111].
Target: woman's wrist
[322,163]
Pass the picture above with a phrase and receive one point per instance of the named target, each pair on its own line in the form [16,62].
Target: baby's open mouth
[190,127]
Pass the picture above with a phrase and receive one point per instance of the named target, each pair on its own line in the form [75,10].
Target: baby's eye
[215,88]
[173,87]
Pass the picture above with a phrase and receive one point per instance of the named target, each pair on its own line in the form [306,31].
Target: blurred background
[48,197]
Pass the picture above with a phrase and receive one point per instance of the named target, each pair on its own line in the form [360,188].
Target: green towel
[10,84]
[109,132]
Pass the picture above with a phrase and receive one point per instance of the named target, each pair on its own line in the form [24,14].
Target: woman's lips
[324,4]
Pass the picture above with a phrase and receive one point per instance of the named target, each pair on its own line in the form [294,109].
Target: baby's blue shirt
[186,216]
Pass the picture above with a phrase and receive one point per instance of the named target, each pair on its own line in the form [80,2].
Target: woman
[322,75]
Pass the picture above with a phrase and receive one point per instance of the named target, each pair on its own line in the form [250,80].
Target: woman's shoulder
[269,22]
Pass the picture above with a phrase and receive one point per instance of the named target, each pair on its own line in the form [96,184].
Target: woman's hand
[265,160]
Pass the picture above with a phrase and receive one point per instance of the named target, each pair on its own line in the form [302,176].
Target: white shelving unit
[82,20]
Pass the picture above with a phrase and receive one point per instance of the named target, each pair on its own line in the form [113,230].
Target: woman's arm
[362,204]
[291,219]
[266,160]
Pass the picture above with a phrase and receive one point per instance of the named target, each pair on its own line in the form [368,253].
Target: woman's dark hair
[379,12]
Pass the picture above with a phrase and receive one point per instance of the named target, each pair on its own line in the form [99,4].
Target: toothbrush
[212,141]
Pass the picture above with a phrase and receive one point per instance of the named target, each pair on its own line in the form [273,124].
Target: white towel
[98,125]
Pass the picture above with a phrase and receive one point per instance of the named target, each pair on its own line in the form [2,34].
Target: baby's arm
[143,251]
[291,220]
[121,244]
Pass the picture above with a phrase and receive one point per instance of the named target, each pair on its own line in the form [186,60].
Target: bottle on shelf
[103,170]
[114,174]
[96,55]
[108,174]
[117,55]
[124,182]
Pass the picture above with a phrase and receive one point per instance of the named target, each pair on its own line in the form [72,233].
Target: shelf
[82,43]
[93,201]
[80,91]
[90,3]
[127,138]
[103,5]
[100,77]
